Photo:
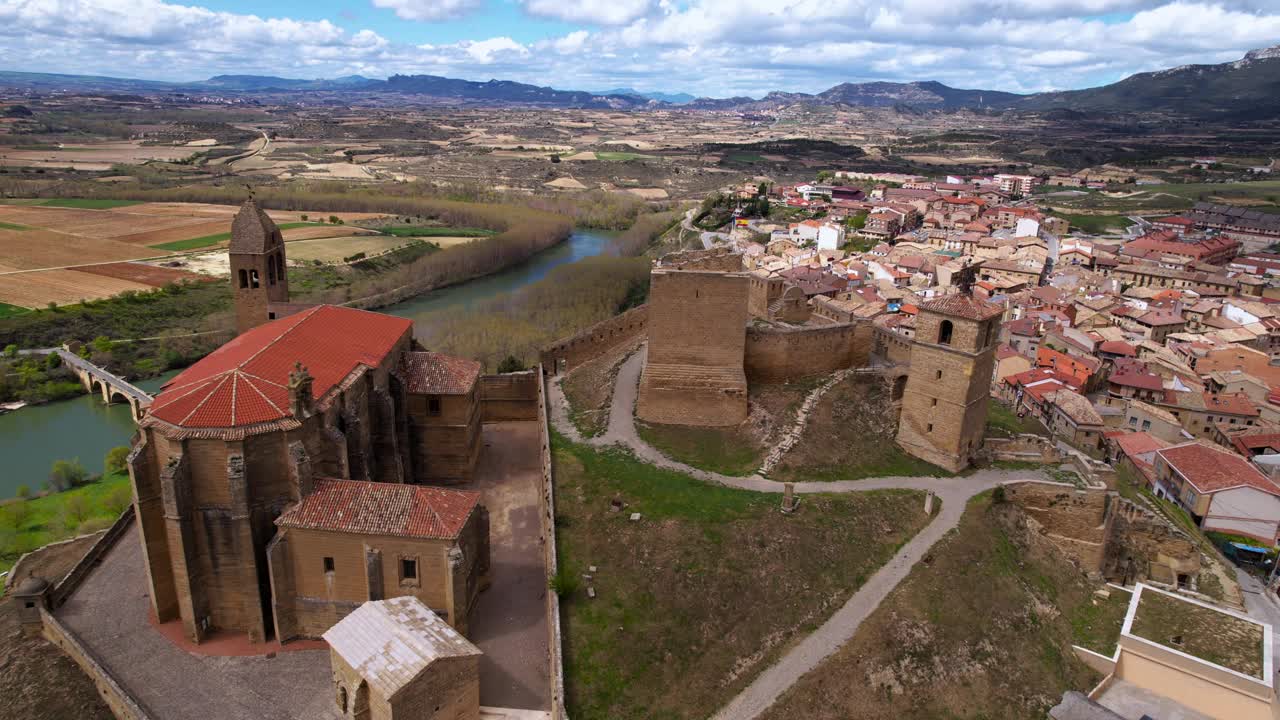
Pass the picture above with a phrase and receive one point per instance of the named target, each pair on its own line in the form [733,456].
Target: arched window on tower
[271,269]
[280,265]
[944,332]
[244,278]
[254,282]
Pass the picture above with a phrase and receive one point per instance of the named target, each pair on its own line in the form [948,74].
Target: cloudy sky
[705,47]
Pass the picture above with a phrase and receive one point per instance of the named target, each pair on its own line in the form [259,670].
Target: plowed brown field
[37,289]
[145,274]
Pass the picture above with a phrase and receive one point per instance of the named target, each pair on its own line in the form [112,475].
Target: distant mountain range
[670,98]
[1248,88]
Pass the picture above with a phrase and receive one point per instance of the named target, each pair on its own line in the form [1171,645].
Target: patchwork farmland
[66,251]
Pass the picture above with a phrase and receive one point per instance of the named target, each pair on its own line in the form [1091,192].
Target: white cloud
[595,12]
[429,10]
[708,47]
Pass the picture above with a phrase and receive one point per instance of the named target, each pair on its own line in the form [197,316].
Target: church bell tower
[259,275]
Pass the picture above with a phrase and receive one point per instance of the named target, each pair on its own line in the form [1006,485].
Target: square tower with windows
[258,275]
[944,405]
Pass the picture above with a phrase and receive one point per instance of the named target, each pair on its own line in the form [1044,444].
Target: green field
[417,231]
[28,524]
[8,311]
[13,226]
[1097,224]
[88,203]
[196,243]
[622,156]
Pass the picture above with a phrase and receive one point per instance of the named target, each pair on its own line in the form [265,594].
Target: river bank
[32,438]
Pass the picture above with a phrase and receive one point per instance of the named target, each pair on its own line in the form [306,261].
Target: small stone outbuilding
[395,659]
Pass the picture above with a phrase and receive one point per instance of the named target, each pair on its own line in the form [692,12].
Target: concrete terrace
[109,615]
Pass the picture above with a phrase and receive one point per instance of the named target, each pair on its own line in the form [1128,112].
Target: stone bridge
[112,388]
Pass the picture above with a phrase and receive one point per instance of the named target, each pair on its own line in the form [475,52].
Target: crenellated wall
[781,354]
[595,341]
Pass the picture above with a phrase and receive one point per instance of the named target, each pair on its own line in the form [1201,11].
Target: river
[32,438]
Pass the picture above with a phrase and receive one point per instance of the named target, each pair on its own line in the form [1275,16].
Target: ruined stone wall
[1073,519]
[595,341]
[1142,546]
[513,396]
[780,354]
[717,259]
[693,372]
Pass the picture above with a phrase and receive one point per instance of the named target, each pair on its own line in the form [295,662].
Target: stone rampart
[595,341]
[547,514]
[77,574]
[511,396]
[894,348]
[780,354]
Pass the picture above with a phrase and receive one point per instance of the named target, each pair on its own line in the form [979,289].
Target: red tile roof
[370,508]
[1138,443]
[245,382]
[1229,403]
[1210,469]
[964,306]
[1118,347]
[432,373]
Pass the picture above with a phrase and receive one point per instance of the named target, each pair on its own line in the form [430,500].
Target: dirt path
[840,627]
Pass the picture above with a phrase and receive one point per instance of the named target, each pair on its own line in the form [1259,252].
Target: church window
[280,266]
[433,405]
[254,282]
[271,270]
[244,278]
[938,375]
[944,332]
[328,564]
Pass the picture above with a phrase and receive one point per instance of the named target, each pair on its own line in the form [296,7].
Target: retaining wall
[595,341]
[511,396]
[777,354]
[81,570]
[548,515]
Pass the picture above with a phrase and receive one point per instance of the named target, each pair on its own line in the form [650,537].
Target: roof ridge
[258,390]
[235,385]
[306,315]
[192,384]
[216,387]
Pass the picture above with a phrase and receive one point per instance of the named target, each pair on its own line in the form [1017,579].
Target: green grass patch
[28,524]
[1097,224]
[88,203]
[8,311]
[13,226]
[1003,422]
[708,588]
[722,450]
[1096,625]
[620,156]
[207,240]
[425,231]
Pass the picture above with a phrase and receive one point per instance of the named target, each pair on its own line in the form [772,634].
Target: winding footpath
[840,627]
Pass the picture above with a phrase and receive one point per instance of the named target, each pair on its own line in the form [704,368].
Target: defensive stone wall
[894,348]
[547,514]
[77,574]
[595,341]
[511,396]
[780,354]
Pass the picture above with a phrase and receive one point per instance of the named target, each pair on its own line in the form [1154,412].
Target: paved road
[708,238]
[1261,606]
[841,627]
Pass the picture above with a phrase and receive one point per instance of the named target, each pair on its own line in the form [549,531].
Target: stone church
[280,482]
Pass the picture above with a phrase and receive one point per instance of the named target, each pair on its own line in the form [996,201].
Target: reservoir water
[32,438]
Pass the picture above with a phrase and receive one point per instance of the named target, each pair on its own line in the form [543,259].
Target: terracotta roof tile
[245,382]
[370,508]
[432,373]
[1211,469]
[964,306]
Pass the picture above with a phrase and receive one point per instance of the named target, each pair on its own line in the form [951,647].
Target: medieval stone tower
[258,276]
[944,406]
